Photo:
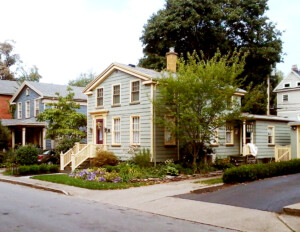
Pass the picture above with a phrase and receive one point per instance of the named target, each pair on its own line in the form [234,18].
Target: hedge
[36,169]
[253,172]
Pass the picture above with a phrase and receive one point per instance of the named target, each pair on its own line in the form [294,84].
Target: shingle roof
[49,90]
[149,72]
[22,122]
[8,87]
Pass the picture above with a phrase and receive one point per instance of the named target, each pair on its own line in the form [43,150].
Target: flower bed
[96,174]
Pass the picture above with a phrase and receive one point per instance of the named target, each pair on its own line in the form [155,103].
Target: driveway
[268,195]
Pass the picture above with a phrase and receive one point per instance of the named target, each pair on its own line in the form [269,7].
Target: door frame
[96,116]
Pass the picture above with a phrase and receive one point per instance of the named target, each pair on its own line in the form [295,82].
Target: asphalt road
[29,210]
[269,194]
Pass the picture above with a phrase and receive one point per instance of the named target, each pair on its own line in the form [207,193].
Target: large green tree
[83,79]
[198,100]
[208,25]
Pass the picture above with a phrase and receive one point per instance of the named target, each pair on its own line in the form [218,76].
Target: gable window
[36,107]
[229,134]
[100,97]
[116,94]
[287,85]
[27,92]
[135,91]
[285,97]
[214,138]
[19,110]
[170,140]
[271,135]
[135,130]
[116,131]
[27,109]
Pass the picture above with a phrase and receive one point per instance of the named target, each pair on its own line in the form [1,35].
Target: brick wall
[4,107]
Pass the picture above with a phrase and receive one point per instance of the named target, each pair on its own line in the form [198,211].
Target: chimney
[171,60]
[295,68]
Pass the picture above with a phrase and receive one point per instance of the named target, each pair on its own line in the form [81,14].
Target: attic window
[286,85]
[298,84]
[27,92]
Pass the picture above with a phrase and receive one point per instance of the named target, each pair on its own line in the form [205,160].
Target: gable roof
[141,73]
[291,77]
[8,87]
[46,90]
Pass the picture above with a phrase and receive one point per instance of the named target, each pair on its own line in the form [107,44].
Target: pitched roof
[22,122]
[8,87]
[266,117]
[149,72]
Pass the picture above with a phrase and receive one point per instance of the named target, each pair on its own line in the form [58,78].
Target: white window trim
[112,94]
[273,135]
[27,109]
[289,83]
[216,143]
[35,106]
[231,134]
[27,91]
[19,116]
[96,95]
[287,98]
[113,132]
[130,97]
[131,131]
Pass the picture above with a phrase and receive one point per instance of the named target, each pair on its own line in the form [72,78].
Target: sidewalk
[158,199]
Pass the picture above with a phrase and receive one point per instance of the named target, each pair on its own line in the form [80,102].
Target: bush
[142,158]
[34,169]
[171,171]
[65,144]
[104,158]
[27,155]
[222,164]
[44,168]
[253,172]
[53,168]
[24,170]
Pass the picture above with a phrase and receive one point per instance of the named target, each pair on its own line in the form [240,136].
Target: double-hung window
[285,97]
[229,134]
[100,97]
[271,135]
[36,107]
[135,130]
[116,131]
[27,109]
[135,91]
[19,110]
[116,94]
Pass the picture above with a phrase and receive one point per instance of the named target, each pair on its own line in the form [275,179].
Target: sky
[64,38]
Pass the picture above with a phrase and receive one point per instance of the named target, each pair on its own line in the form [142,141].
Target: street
[268,194]
[27,209]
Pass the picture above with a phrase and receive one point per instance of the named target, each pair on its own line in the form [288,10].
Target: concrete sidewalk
[158,199]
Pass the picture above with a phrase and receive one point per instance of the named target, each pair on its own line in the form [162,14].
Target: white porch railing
[283,153]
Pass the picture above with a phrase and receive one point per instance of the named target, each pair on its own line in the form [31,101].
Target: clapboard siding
[23,98]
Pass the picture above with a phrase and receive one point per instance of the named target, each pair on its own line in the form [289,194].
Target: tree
[83,79]
[5,136]
[7,60]
[197,100]
[208,25]
[29,75]
[64,122]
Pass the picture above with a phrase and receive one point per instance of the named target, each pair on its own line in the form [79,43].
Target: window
[214,138]
[116,94]
[135,91]
[229,134]
[271,135]
[287,85]
[135,130]
[36,107]
[19,110]
[169,137]
[249,133]
[27,109]
[285,97]
[298,84]
[116,131]
[27,92]
[100,97]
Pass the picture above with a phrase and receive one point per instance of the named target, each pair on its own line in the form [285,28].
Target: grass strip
[65,179]
[210,181]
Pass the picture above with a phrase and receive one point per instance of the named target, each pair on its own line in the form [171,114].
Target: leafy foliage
[199,98]
[64,122]
[7,60]
[104,158]
[31,74]
[27,155]
[142,158]
[83,79]
[36,169]
[5,136]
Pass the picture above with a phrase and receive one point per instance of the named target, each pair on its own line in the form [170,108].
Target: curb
[35,186]
[292,209]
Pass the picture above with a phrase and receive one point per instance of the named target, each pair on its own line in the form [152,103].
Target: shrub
[253,172]
[222,164]
[27,155]
[44,168]
[53,168]
[24,170]
[142,158]
[171,171]
[104,158]
[34,169]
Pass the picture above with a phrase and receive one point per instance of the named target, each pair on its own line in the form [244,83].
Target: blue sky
[66,37]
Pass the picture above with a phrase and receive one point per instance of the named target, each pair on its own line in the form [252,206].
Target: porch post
[244,136]
[23,136]
[44,138]
[13,140]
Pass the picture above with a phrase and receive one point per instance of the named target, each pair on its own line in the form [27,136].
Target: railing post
[62,161]
[77,144]
[73,161]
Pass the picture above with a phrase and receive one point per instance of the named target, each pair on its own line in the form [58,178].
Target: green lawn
[211,181]
[65,179]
